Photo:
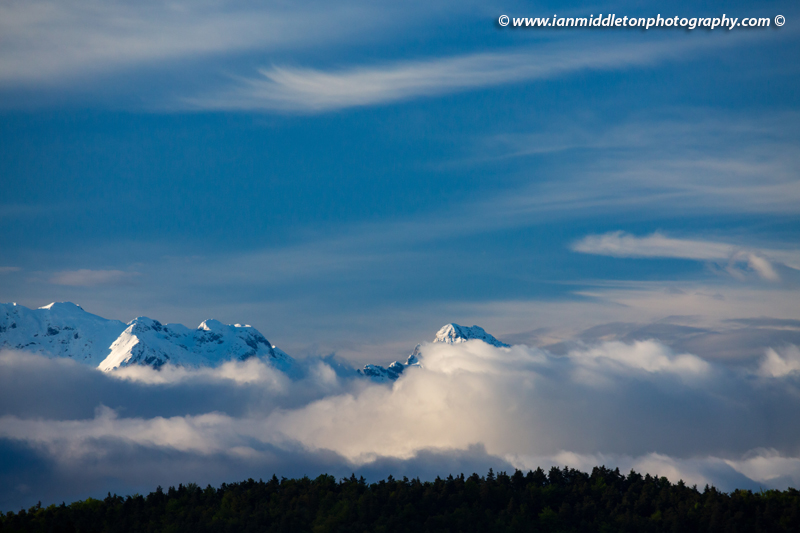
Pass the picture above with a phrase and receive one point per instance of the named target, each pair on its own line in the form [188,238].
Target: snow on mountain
[381,374]
[148,342]
[66,330]
[393,371]
[449,334]
[454,334]
[58,330]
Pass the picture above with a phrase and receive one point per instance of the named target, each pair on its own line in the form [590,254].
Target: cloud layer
[470,406]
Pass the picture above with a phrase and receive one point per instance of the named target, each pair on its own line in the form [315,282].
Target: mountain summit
[60,329]
[455,334]
[449,334]
[148,342]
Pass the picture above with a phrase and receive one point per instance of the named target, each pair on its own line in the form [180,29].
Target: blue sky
[359,174]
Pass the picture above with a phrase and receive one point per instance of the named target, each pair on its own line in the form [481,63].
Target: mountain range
[64,329]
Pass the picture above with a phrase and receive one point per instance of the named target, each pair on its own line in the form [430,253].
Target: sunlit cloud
[251,371]
[639,404]
[782,362]
[645,356]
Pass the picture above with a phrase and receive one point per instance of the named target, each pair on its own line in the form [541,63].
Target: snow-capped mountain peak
[212,325]
[141,324]
[453,334]
[61,329]
[148,342]
[449,334]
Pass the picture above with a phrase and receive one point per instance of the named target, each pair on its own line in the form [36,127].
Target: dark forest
[562,500]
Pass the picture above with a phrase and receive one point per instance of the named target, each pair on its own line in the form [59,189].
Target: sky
[348,177]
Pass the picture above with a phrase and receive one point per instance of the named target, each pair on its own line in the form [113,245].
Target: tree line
[561,500]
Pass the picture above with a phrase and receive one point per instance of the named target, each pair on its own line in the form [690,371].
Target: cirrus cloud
[90,278]
[318,90]
[656,245]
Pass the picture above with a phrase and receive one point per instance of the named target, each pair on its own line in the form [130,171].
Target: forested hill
[562,500]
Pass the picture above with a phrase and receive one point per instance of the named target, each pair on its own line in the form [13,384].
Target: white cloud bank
[634,405]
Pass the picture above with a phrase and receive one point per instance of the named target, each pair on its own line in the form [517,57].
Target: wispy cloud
[91,278]
[619,244]
[46,41]
[697,160]
[8,269]
[308,89]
